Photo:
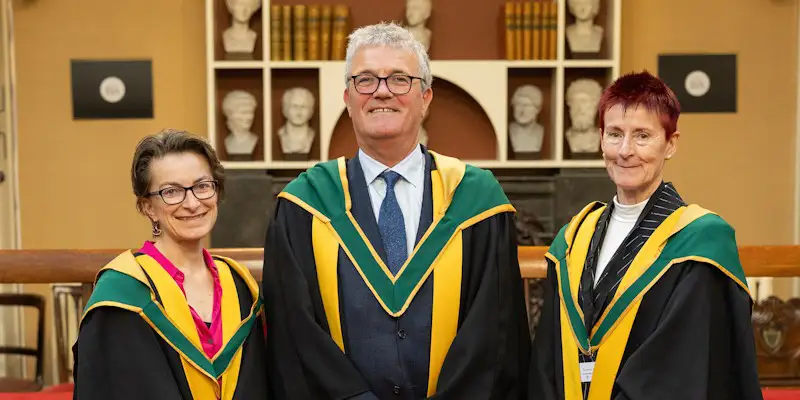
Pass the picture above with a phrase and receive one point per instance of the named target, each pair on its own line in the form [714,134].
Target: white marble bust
[296,135]
[584,36]
[239,38]
[417,14]
[525,133]
[239,108]
[583,96]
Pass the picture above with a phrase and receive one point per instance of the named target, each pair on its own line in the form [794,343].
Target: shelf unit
[484,83]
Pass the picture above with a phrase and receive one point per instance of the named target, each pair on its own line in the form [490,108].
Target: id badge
[587,369]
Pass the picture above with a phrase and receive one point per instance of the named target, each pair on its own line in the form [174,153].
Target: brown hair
[170,141]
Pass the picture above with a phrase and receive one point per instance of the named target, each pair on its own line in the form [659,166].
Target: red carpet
[781,394]
[769,394]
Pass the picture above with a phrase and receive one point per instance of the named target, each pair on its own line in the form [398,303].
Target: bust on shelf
[239,108]
[296,135]
[525,133]
[417,14]
[584,36]
[583,97]
[239,38]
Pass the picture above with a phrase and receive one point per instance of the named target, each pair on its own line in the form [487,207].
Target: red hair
[642,89]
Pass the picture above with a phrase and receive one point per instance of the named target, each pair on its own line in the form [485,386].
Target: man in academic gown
[645,297]
[394,274]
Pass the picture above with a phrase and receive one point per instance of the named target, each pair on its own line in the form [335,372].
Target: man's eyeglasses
[176,194]
[397,83]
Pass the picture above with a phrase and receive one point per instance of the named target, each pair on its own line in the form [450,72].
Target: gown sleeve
[702,347]
[489,356]
[303,360]
[118,356]
[545,367]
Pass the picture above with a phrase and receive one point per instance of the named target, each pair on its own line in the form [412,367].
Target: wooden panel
[55,266]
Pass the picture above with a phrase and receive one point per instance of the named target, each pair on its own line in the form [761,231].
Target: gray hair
[388,34]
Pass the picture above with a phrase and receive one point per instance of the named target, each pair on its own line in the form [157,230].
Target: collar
[150,249]
[411,168]
[628,212]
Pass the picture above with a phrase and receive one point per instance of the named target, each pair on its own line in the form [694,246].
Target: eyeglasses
[397,83]
[177,194]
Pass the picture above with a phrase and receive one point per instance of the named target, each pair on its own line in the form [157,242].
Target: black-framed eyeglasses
[397,83]
[177,194]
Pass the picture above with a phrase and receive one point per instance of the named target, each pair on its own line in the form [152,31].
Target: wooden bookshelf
[474,79]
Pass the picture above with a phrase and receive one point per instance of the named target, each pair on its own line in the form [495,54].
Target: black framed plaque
[112,89]
[703,83]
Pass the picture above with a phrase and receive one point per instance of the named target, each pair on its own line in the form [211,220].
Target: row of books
[531,29]
[308,32]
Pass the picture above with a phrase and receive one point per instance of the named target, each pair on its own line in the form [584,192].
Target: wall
[74,183]
[74,175]
[739,165]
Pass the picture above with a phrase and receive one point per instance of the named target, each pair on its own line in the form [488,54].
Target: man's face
[524,110]
[241,119]
[383,114]
[299,110]
[582,111]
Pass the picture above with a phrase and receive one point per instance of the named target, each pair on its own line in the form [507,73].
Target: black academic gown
[487,358]
[118,356]
[687,342]
[691,339]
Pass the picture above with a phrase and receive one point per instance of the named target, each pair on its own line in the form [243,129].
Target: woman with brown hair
[169,320]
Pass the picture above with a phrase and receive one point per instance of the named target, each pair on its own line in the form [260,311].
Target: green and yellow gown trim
[462,196]
[689,233]
[130,282]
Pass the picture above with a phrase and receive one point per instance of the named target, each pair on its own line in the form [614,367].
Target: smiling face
[635,149]
[383,115]
[192,219]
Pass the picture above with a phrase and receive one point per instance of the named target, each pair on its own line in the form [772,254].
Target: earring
[156,229]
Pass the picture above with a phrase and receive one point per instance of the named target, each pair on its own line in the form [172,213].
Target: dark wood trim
[61,266]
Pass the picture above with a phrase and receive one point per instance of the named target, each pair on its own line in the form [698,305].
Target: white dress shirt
[409,190]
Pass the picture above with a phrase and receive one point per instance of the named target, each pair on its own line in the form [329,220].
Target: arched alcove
[457,126]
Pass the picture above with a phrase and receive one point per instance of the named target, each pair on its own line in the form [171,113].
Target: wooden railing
[776,361]
[81,266]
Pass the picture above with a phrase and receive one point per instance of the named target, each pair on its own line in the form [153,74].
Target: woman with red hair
[645,296]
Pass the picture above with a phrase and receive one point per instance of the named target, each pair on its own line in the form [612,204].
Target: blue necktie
[391,225]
